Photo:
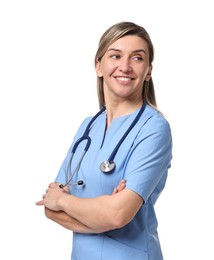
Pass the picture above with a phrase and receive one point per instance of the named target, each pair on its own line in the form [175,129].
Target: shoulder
[82,126]
[155,120]
[85,121]
[154,126]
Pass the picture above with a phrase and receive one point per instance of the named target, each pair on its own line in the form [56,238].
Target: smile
[124,78]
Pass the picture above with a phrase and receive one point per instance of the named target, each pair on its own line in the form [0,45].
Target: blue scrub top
[143,161]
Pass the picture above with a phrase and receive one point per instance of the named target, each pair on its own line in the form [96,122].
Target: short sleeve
[150,158]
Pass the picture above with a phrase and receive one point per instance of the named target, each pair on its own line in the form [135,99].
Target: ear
[149,74]
[98,69]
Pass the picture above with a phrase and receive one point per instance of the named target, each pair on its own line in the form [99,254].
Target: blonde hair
[111,35]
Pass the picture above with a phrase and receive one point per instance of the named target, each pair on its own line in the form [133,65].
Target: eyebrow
[135,51]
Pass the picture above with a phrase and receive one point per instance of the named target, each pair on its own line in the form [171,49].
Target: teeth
[124,79]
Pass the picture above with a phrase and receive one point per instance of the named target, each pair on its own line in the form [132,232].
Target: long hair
[111,35]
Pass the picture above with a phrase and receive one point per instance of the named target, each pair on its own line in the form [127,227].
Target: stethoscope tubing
[86,137]
[113,154]
[107,166]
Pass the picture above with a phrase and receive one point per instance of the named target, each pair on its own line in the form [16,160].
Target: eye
[115,56]
[137,58]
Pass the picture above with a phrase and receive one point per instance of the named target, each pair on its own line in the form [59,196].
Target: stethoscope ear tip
[81,182]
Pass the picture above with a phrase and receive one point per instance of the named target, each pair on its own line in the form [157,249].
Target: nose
[125,65]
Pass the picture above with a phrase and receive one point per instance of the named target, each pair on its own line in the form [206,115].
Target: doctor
[112,213]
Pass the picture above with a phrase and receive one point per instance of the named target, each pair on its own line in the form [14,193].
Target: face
[124,68]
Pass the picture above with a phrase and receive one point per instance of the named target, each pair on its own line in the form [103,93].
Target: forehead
[129,43]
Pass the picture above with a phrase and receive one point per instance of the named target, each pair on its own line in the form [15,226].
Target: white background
[48,86]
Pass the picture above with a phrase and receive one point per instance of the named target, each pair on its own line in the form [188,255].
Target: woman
[108,222]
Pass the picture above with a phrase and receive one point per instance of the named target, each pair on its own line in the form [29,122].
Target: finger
[66,189]
[114,191]
[53,185]
[121,185]
[122,181]
[40,203]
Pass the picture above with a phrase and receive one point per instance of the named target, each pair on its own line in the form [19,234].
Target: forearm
[67,221]
[89,212]
[102,213]
[90,215]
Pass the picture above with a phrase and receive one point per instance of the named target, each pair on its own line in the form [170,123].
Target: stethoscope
[107,166]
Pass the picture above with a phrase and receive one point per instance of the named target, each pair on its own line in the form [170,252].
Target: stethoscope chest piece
[107,166]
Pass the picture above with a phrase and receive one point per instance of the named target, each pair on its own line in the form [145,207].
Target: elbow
[119,220]
[112,221]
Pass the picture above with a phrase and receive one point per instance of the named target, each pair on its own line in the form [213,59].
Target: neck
[120,109]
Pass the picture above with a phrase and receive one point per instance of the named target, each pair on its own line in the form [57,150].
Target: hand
[121,186]
[52,195]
